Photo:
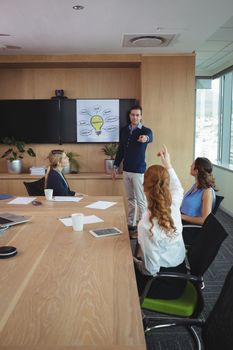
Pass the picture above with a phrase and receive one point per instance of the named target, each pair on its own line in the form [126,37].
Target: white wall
[224,181]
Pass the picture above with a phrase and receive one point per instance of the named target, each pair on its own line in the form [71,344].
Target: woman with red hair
[160,231]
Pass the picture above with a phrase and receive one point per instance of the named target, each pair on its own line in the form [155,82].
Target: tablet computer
[104,232]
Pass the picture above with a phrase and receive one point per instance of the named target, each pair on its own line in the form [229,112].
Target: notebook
[9,219]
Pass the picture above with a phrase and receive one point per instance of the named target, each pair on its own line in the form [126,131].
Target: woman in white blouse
[160,231]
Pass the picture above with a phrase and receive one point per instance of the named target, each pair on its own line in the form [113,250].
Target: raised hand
[165,157]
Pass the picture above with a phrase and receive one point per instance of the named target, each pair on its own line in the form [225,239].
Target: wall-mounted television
[33,121]
[62,121]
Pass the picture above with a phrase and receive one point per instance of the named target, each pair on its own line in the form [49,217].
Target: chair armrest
[183,276]
[160,322]
[192,225]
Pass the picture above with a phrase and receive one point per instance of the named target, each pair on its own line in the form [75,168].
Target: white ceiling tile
[199,62]
[213,45]
[215,58]
[219,60]
[225,34]
[228,48]
[229,23]
[204,55]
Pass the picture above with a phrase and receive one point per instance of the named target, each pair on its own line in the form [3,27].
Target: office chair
[219,199]
[35,188]
[216,331]
[190,304]
[191,231]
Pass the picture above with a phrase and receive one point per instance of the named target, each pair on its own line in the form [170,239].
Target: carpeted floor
[177,338]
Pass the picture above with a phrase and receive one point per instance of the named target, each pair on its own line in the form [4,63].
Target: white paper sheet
[22,200]
[101,205]
[67,199]
[89,219]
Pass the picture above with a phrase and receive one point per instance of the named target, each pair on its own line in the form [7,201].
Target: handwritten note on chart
[98,120]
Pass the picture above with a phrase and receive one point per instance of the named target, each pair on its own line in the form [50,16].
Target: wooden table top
[66,289]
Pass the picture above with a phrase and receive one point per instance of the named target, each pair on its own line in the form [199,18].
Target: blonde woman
[55,178]
[160,231]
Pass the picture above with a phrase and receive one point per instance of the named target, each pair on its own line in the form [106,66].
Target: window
[207,118]
[214,119]
[231,147]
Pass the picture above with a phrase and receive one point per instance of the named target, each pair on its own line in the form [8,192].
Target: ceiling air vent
[147,40]
[9,47]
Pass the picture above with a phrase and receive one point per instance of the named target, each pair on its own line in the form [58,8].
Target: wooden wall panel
[167,95]
[164,84]
[40,83]
[76,82]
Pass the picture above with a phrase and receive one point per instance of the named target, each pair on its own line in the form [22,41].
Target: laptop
[9,219]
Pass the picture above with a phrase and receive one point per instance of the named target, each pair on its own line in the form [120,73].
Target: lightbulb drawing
[97,122]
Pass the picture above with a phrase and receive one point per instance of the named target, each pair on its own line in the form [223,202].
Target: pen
[64,217]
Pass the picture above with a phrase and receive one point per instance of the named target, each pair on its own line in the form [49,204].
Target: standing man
[132,148]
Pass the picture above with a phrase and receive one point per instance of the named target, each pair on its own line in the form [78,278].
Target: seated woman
[160,231]
[200,200]
[55,178]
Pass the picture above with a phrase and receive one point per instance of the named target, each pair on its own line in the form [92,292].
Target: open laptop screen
[4,221]
[9,219]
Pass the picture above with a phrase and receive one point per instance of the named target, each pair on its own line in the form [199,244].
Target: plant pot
[108,165]
[14,166]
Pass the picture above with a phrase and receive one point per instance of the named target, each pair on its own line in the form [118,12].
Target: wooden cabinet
[95,184]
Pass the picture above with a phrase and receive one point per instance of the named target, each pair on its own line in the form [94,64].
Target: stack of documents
[36,170]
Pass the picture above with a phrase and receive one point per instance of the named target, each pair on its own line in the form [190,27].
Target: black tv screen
[32,121]
[68,130]
[48,121]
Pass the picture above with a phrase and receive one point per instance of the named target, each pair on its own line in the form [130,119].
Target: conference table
[66,289]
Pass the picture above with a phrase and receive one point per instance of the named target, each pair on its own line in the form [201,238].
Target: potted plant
[74,166]
[15,153]
[110,150]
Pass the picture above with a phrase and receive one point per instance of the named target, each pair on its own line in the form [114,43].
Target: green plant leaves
[73,162]
[15,152]
[7,153]
[110,149]
[31,152]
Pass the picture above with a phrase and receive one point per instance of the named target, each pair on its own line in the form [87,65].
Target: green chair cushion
[183,306]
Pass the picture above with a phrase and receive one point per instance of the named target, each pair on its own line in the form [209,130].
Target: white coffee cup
[77,221]
[48,194]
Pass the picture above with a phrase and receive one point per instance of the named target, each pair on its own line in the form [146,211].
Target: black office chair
[35,188]
[190,304]
[219,199]
[217,329]
[191,231]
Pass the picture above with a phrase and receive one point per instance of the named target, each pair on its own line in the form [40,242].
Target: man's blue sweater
[131,151]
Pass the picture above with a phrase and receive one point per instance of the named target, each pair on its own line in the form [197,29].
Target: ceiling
[103,26]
